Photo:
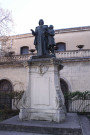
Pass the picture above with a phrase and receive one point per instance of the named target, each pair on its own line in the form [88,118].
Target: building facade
[75,76]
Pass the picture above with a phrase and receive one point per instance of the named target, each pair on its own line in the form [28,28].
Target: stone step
[18,133]
[85,125]
[70,126]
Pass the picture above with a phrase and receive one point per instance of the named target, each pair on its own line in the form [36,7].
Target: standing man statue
[51,42]
[41,38]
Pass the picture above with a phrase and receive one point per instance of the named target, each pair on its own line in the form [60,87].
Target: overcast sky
[60,13]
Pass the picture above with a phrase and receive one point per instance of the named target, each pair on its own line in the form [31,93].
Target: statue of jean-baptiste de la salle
[44,39]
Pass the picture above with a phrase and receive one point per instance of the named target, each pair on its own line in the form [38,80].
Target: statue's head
[41,22]
[51,27]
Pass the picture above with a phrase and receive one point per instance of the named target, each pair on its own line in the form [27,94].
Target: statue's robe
[41,40]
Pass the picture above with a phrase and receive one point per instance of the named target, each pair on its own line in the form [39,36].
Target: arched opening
[65,90]
[61,46]
[24,50]
[5,88]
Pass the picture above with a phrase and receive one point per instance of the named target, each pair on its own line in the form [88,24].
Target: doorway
[65,90]
[5,89]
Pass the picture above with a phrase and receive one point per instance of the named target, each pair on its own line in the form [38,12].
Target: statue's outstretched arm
[33,32]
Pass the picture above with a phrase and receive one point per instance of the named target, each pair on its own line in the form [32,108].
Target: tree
[6,24]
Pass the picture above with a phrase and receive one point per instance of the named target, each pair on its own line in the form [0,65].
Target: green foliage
[12,94]
[7,112]
[77,95]
[15,95]
[78,101]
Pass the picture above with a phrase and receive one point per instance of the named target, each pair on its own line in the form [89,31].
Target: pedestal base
[43,99]
[51,115]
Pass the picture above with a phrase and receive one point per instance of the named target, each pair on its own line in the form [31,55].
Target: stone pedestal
[43,99]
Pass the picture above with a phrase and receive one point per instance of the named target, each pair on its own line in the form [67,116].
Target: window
[24,50]
[61,46]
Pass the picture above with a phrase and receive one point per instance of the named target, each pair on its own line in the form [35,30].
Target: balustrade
[73,54]
[66,54]
[14,58]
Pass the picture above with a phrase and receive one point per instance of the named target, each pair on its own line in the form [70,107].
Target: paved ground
[72,121]
[85,125]
[88,117]
[17,133]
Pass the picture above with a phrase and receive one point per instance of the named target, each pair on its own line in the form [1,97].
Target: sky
[59,13]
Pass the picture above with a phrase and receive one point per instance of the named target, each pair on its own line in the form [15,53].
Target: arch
[5,100]
[66,80]
[65,90]
[7,79]
[61,46]
[24,50]
[64,86]
[5,85]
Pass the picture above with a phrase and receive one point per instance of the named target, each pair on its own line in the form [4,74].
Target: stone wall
[73,39]
[16,74]
[77,74]
[20,41]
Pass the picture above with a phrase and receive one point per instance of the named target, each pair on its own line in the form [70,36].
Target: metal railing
[79,105]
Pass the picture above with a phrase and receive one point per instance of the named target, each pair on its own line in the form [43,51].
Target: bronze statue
[44,37]
[51,41]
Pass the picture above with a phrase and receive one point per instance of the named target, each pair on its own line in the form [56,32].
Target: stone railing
[73,54]
[66,54]
[15,58]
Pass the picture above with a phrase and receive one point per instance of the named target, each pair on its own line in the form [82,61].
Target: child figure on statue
[51,42]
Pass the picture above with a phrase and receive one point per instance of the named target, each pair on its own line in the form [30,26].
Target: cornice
[79,59]
[70,30]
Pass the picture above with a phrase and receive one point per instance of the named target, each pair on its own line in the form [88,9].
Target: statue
[41,38]
[44,40]
[51,41]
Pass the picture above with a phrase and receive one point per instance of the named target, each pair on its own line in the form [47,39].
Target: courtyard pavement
[72,121]
[18,133]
